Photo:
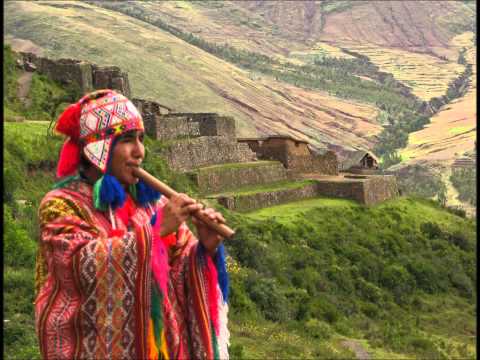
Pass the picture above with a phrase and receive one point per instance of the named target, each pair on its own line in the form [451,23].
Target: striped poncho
[106,293]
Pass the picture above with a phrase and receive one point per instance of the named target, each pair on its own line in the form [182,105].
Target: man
[119,274]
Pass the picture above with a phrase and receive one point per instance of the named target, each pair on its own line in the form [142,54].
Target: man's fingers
[183,200]
[214,215]
[190,209]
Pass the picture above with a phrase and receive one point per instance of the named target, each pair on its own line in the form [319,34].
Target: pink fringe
[213,298]
[160,267]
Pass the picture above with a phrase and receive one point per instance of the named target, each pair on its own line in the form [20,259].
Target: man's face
[128,153]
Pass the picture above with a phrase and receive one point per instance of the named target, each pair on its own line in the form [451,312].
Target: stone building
[172,126]
[360,162]
[86,76]
[194,140]
[294,154]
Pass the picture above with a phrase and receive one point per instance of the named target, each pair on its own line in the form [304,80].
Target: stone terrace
[242,174]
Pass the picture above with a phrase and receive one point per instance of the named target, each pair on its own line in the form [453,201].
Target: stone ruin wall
[325,164]
[266,199]
[189,125]
[86,76]
[368,191]
[352,190]
[216,180]
[184,155]
[196,139]
[296,158]
[380,188]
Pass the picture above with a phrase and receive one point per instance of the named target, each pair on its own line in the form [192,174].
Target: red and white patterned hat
[92,124]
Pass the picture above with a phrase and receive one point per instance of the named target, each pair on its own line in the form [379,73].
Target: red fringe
[69,121]
[69,158]
[116,232]
[127,210]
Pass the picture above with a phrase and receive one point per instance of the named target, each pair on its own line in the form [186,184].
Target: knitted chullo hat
[92,125]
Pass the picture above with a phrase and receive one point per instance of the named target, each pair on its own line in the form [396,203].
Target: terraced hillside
[451,133]
[452,130]
[427,75]
[188,79]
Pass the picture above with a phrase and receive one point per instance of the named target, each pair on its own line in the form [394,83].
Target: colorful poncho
[123,293]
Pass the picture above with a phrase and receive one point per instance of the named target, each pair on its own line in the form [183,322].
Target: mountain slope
[188,79]
[306,278]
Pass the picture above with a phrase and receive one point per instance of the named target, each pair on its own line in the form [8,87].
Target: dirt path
[24,82]
[357,348]
[452,195]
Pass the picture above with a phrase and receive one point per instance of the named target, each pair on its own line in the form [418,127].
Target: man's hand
[176,211]
[209,238]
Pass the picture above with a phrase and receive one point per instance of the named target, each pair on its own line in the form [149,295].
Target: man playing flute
[119,274]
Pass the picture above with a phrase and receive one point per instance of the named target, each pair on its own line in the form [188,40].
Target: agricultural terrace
[452,131]
[318,51]
[426,75]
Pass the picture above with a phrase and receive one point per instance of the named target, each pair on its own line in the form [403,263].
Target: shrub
[322,309]
[397,279]
[318,329]
[426,274]
[341,278]
[371,310]
[236,352]
[457,210]
[369,291]
[239,300]
[460,239]
[431,230]
[19,249]
[269,298]
[463,283]
[308,279]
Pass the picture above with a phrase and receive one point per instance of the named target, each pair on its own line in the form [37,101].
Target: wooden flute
[166,190]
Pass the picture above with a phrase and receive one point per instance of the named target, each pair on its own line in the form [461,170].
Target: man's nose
[138,150]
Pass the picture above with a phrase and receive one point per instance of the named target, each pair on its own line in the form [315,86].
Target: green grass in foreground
[284,213]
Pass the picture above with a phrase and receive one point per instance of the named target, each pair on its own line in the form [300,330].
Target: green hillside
[398,279]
